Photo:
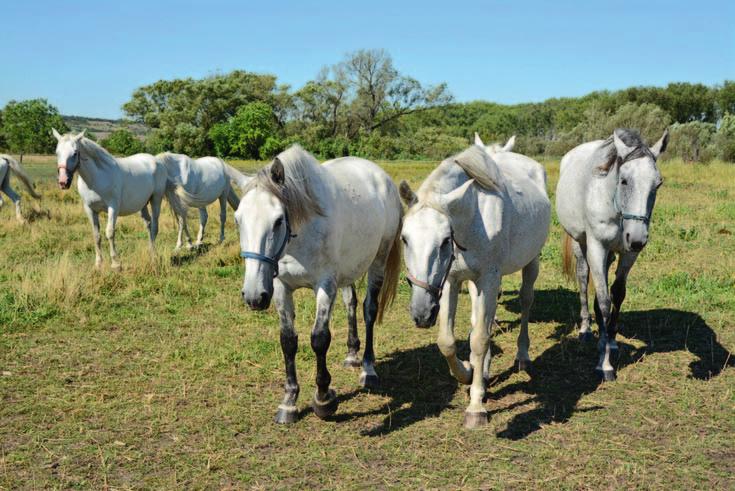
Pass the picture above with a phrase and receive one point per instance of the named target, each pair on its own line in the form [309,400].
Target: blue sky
[87,57]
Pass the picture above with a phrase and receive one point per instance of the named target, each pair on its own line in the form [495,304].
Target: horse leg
[597,258]
[283,298]
[484,304]
[110,232]
[617,292]
[583,278]
[203,216]
[349,297]
[147,221]
[369,377]
[222,216]
[156,201]
[15,198]
[94,219]
[445,338]
[530,273]
[325,399]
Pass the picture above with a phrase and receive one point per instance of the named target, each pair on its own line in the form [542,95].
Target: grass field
[158,377]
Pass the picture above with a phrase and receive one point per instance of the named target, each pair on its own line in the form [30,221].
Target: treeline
[364,106]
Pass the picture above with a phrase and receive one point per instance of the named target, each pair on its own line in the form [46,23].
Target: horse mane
[97,152]
[607,154]
[297,193]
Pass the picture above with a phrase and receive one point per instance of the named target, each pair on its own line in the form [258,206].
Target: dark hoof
[607,375]
[586,337]
[327,408]
[286,415]
[352,362]
[369,381]
[474,420]
[523,365]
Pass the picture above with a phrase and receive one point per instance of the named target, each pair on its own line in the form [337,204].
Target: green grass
[158,377]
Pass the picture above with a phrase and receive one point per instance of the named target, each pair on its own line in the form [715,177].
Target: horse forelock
[608,156]
[297,194]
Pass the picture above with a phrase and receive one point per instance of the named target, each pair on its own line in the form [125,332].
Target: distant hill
[100,128]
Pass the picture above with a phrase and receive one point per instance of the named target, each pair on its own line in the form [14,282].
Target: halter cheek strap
[273,261]
[436,290]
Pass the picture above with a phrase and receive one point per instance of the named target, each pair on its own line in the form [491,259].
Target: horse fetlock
[352,360]
[369,378]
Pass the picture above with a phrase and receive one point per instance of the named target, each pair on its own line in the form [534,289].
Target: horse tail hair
[568,263]
[240,179]
[391,271]
[232,198]
[20,172]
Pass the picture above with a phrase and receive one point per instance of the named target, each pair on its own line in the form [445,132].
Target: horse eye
[659,183]
[624,182]
[403,239]
[278,223]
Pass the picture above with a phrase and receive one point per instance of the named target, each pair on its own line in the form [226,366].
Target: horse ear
[454,202]
[620,147]
[80,135]
[478,140]
[660,146]
[407,194]
[278,173]
[56,134]
[510,144]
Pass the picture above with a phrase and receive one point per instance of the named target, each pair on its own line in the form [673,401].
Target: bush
[246,132]
[272,147]
[122,142]
[691,141]
[725,138]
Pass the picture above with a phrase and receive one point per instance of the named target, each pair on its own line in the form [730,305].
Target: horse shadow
[564,373]
[418,384]
[187,256]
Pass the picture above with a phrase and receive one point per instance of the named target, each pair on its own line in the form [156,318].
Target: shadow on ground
[564,373]
[185,256]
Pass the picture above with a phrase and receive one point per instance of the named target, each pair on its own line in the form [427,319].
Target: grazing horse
[117,186]
[198,183]
[7,165]
[305,225]
[477,217]
[604,199]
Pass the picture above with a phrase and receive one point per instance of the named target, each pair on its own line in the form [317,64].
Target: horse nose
[637,245]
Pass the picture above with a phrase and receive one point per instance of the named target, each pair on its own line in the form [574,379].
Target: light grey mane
[607,154]
[472,163]
[297,194]
[96,152]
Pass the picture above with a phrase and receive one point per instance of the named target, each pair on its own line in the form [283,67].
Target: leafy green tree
[122,142]
[27,126]
[691,141]
[244,134]
[725,138]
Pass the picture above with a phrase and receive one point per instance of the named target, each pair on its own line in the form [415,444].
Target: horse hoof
[286,415]
[586,337]
[475,420]
[369,380]
[116,267]
[352,362]
[327,408]
[524,365]
[607,375]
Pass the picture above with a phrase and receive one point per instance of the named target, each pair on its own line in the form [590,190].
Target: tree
[184,111]
[27,126]
[690,141]
[122,142]
[246,133]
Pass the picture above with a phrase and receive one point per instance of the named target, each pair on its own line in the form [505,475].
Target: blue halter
[273,261]
[628,216]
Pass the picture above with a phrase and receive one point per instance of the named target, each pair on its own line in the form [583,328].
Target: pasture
[159,377]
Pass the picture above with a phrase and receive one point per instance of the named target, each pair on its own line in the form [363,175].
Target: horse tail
[20,172]
[240,179]
[568,264]
[391,272]
[232,198]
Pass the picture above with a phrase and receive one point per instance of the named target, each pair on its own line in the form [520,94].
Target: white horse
[494,148]
[117,186]
[346,218]
[7,165]
[198,183]
[476,217]
[604,199]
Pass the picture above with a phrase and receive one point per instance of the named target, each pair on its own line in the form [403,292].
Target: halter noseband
[436,290]
[273,261]
[78,154]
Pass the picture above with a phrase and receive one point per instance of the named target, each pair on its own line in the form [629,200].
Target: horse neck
[92,168]
[606,187]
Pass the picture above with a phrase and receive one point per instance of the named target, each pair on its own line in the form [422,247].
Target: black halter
[273,261]
[636,153]
[436,290]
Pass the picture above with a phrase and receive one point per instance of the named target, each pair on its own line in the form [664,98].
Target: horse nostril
[263,298]
[627,238]
[637,245]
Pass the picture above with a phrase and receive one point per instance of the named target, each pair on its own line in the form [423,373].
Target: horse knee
[446,345]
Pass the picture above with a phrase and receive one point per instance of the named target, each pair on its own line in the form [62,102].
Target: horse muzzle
[65,178]
[424,317]
[257,301]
